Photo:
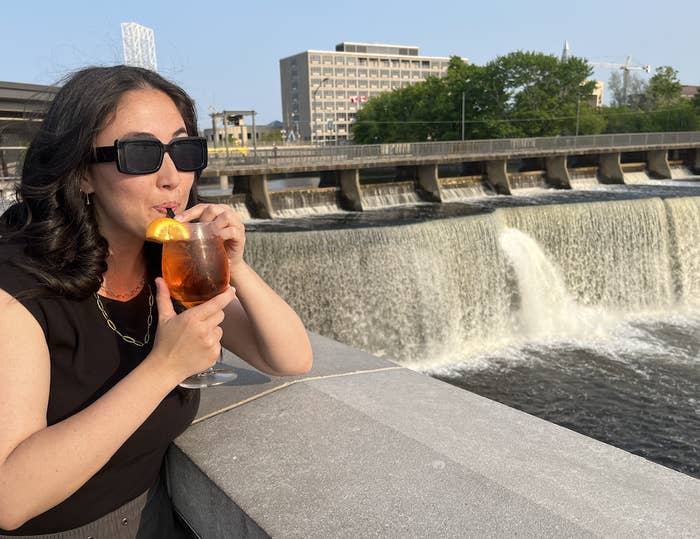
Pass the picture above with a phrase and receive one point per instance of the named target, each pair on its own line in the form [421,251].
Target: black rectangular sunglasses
[145,155]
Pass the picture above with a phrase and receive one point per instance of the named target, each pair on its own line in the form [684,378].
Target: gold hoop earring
[87,199]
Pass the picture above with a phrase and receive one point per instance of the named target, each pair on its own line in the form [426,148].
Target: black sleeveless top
[87,360]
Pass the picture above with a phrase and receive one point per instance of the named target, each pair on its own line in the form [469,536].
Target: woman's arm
[262,329]
[41,466]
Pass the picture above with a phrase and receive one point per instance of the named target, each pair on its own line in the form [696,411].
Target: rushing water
[580,307]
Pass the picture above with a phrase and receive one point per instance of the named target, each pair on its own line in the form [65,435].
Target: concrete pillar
[350,193]
[261,198]
[657,164]
[497,176]
[557,172]
[609,168]
[428,182]
[223,183]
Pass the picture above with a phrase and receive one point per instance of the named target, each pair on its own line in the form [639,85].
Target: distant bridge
[291,159]
[418,164]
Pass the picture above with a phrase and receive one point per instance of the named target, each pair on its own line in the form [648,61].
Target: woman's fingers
[215,305]
[204,212]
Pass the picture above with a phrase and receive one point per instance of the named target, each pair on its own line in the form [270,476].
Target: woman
[91,348]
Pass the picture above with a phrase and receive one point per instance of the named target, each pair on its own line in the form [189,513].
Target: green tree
[521,94]
[664,88]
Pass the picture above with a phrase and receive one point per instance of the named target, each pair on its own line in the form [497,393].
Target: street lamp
[462,115]
[313,102]
[578,109]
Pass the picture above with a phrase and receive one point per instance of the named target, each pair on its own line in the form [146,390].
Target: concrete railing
[361,447]
[310,155]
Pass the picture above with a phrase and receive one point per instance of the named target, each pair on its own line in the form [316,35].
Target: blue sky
[226,54]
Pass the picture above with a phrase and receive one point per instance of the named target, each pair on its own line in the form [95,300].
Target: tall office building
[323,90]
[139,46]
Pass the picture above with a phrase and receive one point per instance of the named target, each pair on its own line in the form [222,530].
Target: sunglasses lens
[188,155]
[141,156]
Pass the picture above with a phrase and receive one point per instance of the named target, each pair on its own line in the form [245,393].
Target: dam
[577,309]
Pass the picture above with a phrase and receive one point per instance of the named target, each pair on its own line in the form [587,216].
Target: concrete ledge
[360,447]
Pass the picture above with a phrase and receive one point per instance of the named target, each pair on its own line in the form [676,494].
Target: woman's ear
[86,184]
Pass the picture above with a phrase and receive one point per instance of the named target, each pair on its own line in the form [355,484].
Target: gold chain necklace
[126,295]
[113,327]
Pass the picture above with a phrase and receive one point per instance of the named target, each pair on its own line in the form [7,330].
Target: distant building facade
[22,108]
[688,91]
[323,90]
[598,95]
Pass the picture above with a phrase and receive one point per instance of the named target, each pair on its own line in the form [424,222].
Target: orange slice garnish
[166,229]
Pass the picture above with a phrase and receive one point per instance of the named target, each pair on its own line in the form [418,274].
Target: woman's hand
[189,342]
[226,221]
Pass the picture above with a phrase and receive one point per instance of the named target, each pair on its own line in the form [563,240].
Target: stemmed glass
[196,269]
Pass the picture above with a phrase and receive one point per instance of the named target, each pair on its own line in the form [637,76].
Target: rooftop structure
[139,46]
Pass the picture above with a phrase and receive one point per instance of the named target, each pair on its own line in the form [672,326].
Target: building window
[315,59]
[362,61]
[385,62]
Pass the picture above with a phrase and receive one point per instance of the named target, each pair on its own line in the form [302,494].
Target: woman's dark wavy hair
[63,246]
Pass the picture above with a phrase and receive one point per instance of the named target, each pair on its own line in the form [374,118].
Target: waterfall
[547,309]
[613,254]
[464,187]
[441,291]
[584,177]
[528,180]
[682,173]
[382,195]
[684,221]
[637,177]
[298,202]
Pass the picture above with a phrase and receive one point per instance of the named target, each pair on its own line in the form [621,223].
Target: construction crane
[626,68]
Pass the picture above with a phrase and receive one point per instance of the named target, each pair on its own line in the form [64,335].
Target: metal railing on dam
[313,158]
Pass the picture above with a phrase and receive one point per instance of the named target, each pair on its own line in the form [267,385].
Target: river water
[581,307]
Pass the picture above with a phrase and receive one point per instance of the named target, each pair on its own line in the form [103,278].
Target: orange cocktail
[196,269]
